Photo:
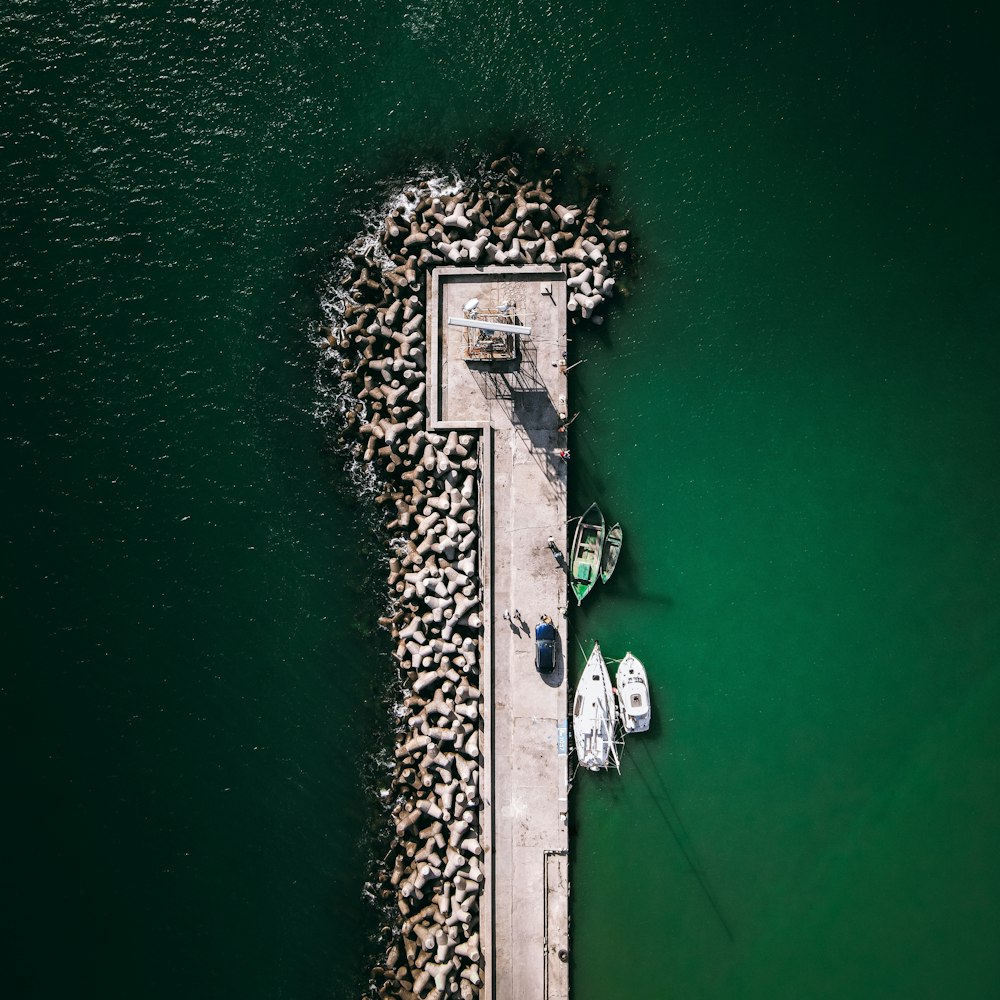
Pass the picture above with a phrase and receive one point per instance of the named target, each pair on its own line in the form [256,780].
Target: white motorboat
[594,715]
[633,694]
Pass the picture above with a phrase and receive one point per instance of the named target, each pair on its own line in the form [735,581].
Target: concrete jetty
[516,405]
[448,336]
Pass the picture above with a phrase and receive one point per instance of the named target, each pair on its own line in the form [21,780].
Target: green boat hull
[585,556]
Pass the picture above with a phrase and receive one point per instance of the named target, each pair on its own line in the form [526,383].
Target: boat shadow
[624,583]
[666,806]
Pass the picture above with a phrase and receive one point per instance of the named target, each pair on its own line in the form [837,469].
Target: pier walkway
[515,405]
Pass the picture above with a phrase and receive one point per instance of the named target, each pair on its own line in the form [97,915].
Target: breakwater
[429,482]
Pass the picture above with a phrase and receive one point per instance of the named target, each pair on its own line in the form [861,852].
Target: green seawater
[793,412]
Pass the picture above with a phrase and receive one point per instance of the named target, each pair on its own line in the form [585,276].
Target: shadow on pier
[554,677]
[518,387]
[511,381]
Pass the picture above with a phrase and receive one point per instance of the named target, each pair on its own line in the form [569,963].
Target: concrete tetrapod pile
[377,331]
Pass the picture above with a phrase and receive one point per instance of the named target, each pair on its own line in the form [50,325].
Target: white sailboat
[594,715]
[633,694]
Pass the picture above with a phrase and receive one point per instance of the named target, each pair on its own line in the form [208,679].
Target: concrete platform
[515,405]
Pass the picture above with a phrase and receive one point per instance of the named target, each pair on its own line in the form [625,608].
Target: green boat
[612,549]
[585,556]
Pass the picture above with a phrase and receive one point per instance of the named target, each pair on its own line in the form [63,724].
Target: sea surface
[794,412]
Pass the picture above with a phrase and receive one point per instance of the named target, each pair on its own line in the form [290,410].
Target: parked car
[545,646]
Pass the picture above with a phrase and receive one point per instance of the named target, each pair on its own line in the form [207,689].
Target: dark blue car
[545,646]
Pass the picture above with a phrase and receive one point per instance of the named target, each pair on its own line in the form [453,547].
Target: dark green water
[795,415]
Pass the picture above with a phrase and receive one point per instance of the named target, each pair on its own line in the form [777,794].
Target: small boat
[594,715]
[585,556]
[633,694]
[612,549]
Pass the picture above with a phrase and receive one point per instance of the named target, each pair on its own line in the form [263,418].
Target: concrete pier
[515,406]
